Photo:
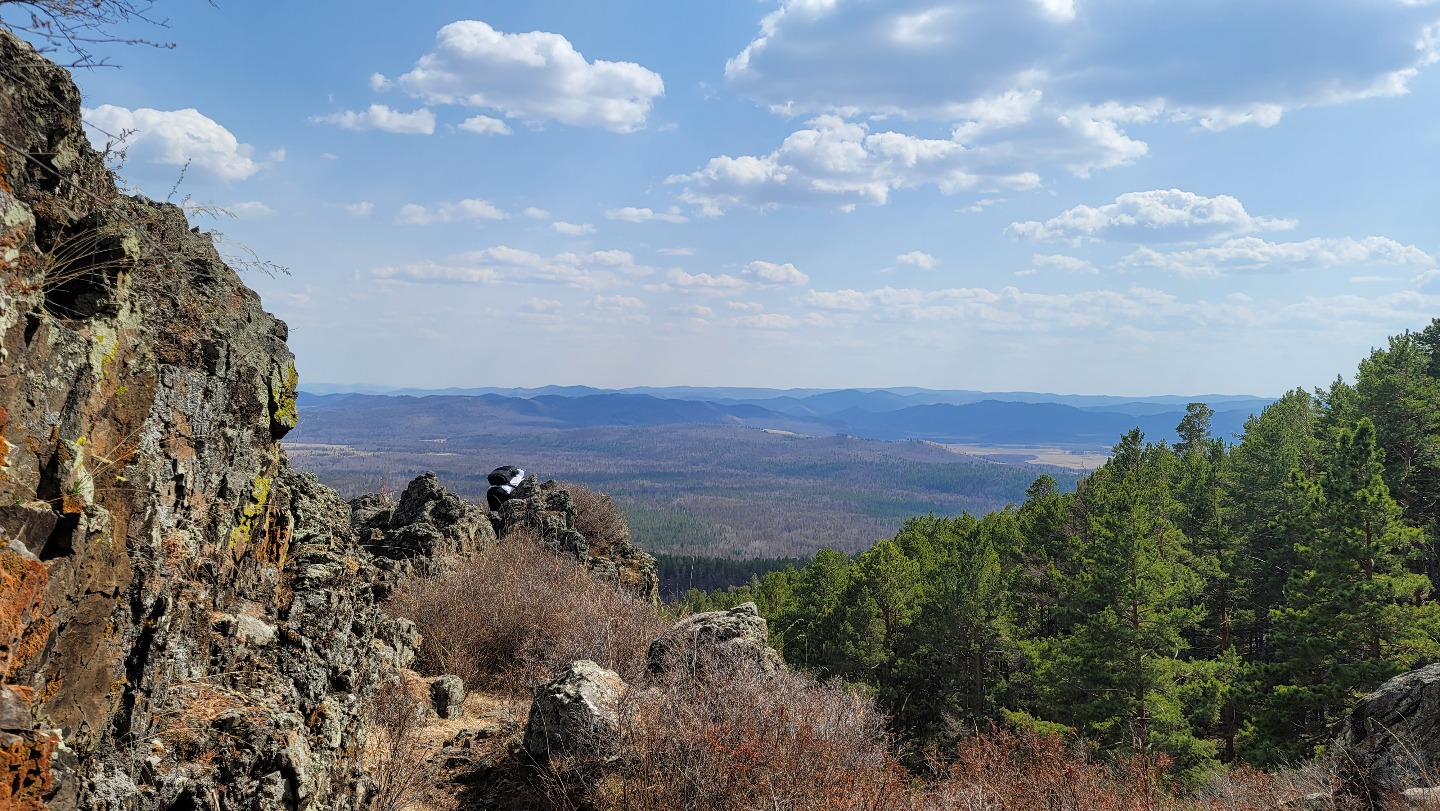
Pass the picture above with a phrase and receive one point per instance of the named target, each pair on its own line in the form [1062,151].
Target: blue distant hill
[958,417]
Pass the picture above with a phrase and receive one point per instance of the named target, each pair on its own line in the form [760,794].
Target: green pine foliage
[1213,602]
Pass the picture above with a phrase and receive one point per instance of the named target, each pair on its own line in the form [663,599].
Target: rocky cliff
[185,622]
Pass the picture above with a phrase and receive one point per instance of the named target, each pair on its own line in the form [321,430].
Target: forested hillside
[1208,600]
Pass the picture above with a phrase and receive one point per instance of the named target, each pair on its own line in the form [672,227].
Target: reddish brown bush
[745,742]
[510,617]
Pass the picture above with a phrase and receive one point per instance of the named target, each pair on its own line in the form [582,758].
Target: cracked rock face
[185,621]
[1391,741]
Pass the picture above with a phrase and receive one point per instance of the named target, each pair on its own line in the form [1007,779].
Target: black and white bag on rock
[503,481]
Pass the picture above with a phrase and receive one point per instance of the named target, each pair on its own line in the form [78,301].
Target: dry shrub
[1004,770]
[403,773]
[598,518]
[510,617]
[748,741]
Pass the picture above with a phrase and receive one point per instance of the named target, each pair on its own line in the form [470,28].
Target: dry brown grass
[510,617]
[404,774]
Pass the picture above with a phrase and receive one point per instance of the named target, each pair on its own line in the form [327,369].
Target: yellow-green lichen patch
[284,413]
[242,537]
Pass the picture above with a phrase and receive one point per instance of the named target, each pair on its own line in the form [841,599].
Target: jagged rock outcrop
[728,640]
[549,511]
[427,527]
[1390,744]
[187,623]
[576,714]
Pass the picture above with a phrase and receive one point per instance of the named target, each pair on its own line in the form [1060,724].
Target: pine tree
[1133,597]
[954,670]
[1354,615]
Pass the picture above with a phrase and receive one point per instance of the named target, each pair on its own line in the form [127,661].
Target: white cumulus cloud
[1151,216]
[571,228]
[358,211]
[173,138]
[692,311]
[933,58]
[918,259]
[1070,264]
[485,125]
[772,273]
[632,214]
[617,303]
[437,272]
[459,211]
[1255,255]
[251,210]
[713,284]
[533,77]
[504,264]
[382,118]
[840,164]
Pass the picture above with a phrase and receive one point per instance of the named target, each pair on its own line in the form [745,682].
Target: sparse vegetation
[509,618]
[402,772]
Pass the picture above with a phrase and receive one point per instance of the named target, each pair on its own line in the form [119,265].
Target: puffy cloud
[436,272]
[1222,63]
[771,273]
[536,213]
[1151,216]
[174,138]
[533,77]
[683,251]
[485,125]
[1031,89]
[838,300]
[571,228]
[840,164]
[380,117]
[632,214]
[461,211]
[1070,264]
[597,269]
[918,259]
[358,210]
[745,306]
[617,303]
[771,321]
[251,210]
[722,284]
[1255,255]
[692,310]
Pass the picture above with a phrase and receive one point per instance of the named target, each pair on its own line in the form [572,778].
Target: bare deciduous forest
[715,491]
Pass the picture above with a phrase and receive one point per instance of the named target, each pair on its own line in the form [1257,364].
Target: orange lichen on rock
[22,586]
[25,776]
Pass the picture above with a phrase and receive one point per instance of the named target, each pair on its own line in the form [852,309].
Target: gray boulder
[1391,741]
[447,695]
[576,714]
[729,641]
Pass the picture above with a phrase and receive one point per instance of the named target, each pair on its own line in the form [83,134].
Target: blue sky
[1087,196]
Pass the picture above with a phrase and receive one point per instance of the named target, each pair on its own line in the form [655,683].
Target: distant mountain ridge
[911,414]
